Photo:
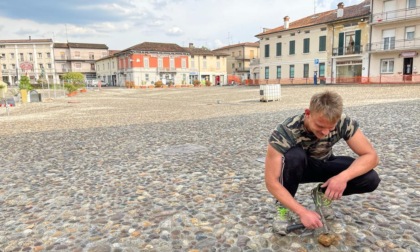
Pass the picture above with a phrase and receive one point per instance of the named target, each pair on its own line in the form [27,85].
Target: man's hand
[335,187]
[310,219]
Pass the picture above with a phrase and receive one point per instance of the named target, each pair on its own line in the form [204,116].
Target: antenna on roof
[314,6]
[229,38]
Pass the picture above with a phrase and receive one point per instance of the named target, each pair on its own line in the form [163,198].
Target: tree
[74,78]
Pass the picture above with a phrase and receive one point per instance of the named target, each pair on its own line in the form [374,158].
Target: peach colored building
[395,41]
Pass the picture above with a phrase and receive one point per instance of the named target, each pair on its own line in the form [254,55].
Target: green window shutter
[306,45]
[341,43]
[278,52]
[322,43]
[291,47]
[357,48]
[267,51]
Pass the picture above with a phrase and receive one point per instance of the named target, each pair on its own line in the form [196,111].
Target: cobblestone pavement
[180,170]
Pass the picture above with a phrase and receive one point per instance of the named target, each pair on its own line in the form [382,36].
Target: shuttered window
[306,45]
[322,43]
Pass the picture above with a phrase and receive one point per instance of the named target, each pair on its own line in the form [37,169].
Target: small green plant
[25,83]
[70,87]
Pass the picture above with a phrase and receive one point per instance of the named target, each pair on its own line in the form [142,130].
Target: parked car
[95,83]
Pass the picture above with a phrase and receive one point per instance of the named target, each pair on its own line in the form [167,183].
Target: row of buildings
[371,42]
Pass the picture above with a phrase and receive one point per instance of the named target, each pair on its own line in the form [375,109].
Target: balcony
[243,57]
[348,50]
[402,44]
[397,15]
[166,69]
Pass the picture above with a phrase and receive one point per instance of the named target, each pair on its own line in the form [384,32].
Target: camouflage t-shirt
[292,132]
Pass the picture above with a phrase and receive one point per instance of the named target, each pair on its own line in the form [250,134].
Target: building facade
[395,42]
[325,47]
[206,65]
[107,69]
[148,62]
[78,57]
[31,57]
[239,59]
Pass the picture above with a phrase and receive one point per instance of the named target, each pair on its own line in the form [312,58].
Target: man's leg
[294,164]
[321,171]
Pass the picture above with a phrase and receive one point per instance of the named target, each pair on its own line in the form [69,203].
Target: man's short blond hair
[329,103]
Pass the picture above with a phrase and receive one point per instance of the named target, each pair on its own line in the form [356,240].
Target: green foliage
[70,87]
[74,78]
[2,86]
[25,83]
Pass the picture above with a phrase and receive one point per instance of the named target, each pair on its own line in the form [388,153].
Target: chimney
[191,45]
[340,10]
[29,37]
[286,22]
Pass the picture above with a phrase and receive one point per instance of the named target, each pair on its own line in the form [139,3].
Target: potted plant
[3,89]
[208,83]
[158,84]
[196,83]
[24,87]
[71,89]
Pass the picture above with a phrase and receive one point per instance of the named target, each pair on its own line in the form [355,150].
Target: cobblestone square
[179,169]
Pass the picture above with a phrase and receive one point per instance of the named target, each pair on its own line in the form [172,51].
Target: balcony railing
[348,50]
[396,15]
[402,44]
[166,69]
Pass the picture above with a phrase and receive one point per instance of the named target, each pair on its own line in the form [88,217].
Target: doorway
[408,69]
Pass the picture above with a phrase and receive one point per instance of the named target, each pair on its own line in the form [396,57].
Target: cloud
[175,31]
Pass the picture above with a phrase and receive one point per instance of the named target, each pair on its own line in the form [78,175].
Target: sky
[120,24]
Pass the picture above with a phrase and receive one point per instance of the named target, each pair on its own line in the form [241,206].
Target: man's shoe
[321,201]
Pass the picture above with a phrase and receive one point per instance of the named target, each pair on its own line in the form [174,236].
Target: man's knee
[372,181]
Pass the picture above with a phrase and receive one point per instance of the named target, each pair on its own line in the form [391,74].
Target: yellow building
[239,59]
[31,57]
[206,65]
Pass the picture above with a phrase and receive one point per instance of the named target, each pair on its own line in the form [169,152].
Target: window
[3,56]
[21,57]
[12,55]
[49,66]
[278,49]
[41,66]
[147,77]
[321,69]
[218,64]
[267,51]
[233,65]
[322,43]
[291,47]
[411,4]
[39,55]
[388,39]
[4,66]
[205,63]
[292,71]
[13,66]
[267,73]
[387,66]
[91,56]
[77,54]
[78,65]
[146,62]
[305,70]
[48,55]
[323,29]
[160,62]
[172,63]
[92,66]
[409,32]
[306,45]
[31,58]
[62,55]
[278,72]
[183,63]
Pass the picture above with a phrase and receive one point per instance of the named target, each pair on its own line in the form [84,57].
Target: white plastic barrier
[270,92]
